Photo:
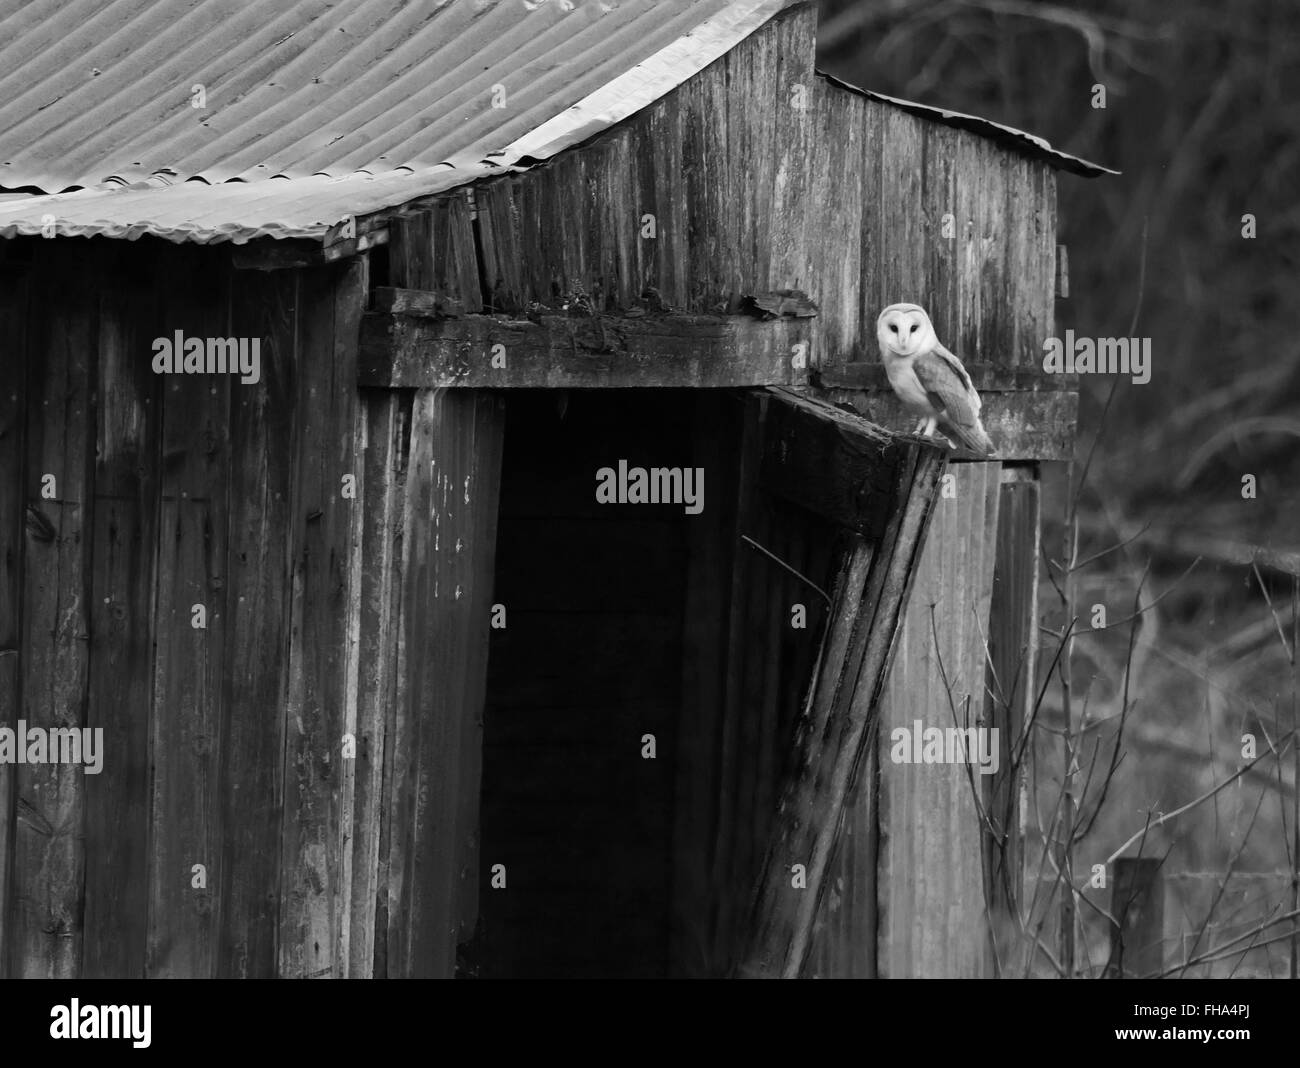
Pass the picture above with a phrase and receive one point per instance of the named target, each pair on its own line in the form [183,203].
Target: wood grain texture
[48,855]
[575,353]
[125,544]
[447,547]
[189,662]
[838,728]
[251,758]
[13,419]
[1010,688]
[314,890]
[829,461]
[930,878]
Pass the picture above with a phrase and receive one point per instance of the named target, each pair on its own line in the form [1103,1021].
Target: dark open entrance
[590,663]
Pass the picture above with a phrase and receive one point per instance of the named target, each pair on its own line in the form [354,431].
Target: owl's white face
[904,330]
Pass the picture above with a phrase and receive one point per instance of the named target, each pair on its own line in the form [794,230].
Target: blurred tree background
[1202,116]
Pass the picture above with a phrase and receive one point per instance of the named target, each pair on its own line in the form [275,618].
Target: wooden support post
[1137,902]
[839,724]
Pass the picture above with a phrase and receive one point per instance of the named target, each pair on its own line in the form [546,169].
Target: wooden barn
[449,488]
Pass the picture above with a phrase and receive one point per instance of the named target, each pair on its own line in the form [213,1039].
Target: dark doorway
[588,665]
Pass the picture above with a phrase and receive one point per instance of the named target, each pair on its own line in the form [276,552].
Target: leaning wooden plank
[189,662]
[582,352]
[830,461]
[834,740]
[13,371]
[122,635]
[48,856]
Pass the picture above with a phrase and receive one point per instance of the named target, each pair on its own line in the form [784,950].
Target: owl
[929,380]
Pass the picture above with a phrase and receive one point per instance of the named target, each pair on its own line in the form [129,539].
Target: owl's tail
[974,437]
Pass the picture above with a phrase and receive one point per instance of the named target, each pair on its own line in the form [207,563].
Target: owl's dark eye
[893,328]
[914,328]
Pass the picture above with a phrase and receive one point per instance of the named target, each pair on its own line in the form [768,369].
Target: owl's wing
[950,390]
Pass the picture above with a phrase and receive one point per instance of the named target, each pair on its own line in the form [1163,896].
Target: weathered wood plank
[836,734]
[314,890]
[498,237]
[449,516]
[793,130]
[936,927]
[1010,686]
[601,352]
[836,217]
[48,856]
[251,758]
[830,462]
[122,633]
[189,663]
[372,604]
[13,400]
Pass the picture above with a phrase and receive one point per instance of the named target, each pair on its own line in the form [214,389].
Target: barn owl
[929,380]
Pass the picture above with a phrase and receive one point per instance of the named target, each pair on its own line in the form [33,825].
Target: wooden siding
[930,889]
[224,744]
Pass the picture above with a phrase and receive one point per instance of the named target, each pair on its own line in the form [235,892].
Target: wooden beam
[830,461]
[839,723]
[605,352]
[986,377]
[1024,425]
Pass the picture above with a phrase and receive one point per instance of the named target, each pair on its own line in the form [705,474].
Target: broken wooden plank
[485,352]
[829,461]
[839,725]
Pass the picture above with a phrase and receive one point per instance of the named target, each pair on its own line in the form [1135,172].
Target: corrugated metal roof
[1028,143]
[318,110]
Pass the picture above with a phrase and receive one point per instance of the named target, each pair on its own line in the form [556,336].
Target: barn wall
[223,744]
